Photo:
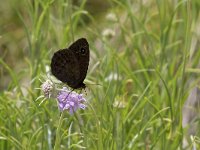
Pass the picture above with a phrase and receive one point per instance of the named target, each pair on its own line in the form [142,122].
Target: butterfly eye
[82,51]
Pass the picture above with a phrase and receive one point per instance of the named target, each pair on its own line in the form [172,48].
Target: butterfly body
[70,65]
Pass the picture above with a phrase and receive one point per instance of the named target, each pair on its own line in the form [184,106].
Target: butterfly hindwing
[61,66]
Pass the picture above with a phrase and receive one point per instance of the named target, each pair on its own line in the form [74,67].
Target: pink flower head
[70,100]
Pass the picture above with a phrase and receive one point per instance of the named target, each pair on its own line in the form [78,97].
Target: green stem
[58,135]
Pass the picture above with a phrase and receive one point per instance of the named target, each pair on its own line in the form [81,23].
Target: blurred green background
[144,54]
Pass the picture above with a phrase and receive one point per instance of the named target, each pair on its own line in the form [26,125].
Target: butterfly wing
[80,49]
[70,65]
[65,67]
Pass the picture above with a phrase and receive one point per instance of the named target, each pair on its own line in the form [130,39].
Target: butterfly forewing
[80,49]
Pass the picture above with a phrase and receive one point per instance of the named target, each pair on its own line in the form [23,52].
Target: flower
[113,76]
[70,100]
[47,88]
[109,33]
[111,17]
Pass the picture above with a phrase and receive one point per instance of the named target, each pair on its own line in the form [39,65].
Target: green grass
[154,55]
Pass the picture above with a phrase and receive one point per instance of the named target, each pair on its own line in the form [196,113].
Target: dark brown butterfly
[70,65]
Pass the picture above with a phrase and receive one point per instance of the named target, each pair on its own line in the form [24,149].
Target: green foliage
[144,56]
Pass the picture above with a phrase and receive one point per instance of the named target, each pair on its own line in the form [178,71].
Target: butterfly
[70,65]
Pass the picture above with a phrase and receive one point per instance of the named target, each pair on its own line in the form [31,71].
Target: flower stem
[58,139]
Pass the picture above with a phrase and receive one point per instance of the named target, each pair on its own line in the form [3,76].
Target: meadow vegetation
[144,62]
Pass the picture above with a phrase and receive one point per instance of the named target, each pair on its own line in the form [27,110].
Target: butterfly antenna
[95,84]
